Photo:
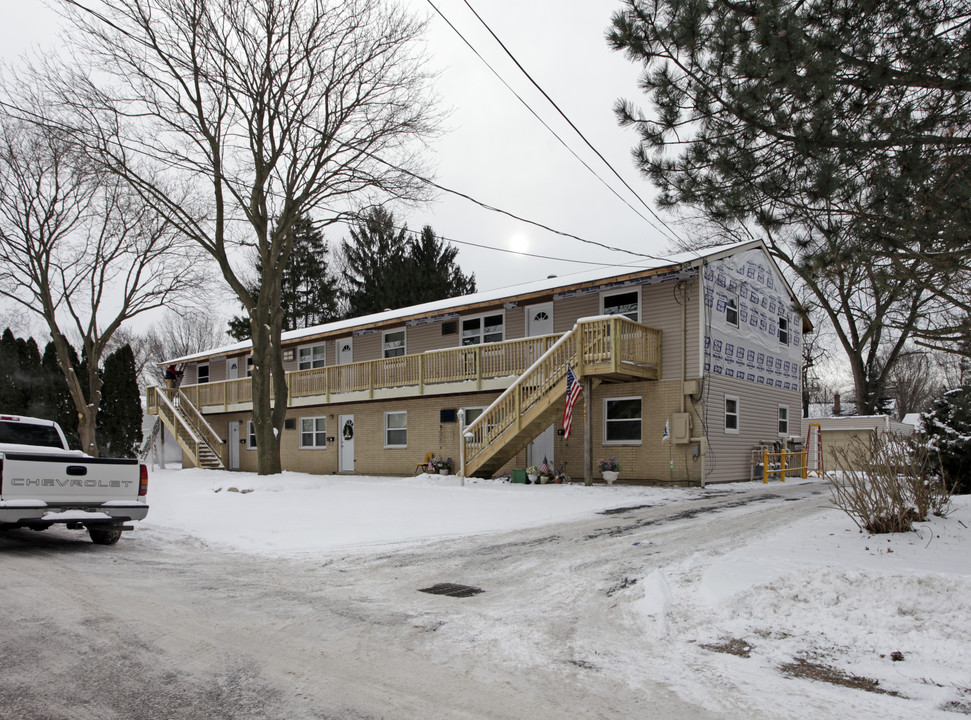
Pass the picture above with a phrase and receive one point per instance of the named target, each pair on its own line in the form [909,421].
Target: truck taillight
[142,480]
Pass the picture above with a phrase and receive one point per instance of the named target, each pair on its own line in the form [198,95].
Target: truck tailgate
[66,480]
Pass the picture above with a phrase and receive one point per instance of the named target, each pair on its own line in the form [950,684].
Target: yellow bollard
[782,457]
[805,464]
[765,467]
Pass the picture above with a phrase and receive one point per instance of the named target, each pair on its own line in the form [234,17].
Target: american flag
[573,390]
[545,468]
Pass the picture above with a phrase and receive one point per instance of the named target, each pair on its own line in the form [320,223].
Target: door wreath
[348,431]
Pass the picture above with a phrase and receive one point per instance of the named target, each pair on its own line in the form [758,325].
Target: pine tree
[59,405]
[431,260]
[387,270]
[374,258]
[308,291]
[948,427]
[11,399]
[120,416]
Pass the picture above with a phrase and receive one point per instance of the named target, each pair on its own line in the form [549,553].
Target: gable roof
[490,298]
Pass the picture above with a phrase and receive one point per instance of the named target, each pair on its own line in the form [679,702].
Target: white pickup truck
[43,482]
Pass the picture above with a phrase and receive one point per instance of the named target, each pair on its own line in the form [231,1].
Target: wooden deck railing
[609,341]
[471,363]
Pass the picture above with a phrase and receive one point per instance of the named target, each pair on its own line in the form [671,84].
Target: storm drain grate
[452,590]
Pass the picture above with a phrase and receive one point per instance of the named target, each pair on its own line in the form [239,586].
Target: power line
[676,238]
[554,133]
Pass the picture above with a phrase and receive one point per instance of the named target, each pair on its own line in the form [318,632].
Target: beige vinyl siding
[729,455]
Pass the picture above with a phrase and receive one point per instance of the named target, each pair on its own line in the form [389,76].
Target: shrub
[889,483]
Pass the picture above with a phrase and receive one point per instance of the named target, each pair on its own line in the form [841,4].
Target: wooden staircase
[190,429]
[612,348]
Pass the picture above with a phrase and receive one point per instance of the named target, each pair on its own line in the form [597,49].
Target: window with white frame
[250,435]
[784,330]
[202,375]
[483,329]
[623,302]
[396,429]
[622,420]
[311,356]
[784,420]
[394,343]
[731,310]
[313,432]
[731,414]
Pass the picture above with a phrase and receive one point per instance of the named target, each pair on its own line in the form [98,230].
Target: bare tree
[82,251]
[263,110]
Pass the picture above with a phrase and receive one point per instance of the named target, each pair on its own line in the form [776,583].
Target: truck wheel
[104,535]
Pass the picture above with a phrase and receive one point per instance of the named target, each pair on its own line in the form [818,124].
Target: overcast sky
[494,149]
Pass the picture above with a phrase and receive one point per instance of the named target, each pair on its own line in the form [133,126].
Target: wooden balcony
[612,347]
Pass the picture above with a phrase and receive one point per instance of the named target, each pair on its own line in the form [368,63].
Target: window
[784,330]
[784,420]
[251,435]
[731,311]
[249,366]
[311,356]
[471,413]
[731,414]
[396,429]
[483,329]
[622,420]
[394,343]
[626,303]
[203,374]
[313,432]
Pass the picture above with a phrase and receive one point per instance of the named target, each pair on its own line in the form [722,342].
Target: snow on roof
[549,284]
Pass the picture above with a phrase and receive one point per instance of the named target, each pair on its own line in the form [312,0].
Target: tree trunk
[269,379]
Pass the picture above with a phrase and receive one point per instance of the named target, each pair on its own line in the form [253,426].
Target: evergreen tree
[308,291]
[385,270]
[374,264]
[120,416]
[432,264]
[60,406]
[11,400]
[948,427]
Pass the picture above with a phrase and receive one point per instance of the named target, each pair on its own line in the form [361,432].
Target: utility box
[692,387]
[680,428]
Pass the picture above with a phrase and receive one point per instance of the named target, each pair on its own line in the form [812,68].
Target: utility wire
[554,133]
[676,238]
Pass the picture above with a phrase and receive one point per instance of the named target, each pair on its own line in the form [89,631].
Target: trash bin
[519,475]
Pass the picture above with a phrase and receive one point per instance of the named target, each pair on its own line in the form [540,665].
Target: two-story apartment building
[687,363]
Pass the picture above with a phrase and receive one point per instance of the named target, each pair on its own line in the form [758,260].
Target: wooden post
[765,467]
[587,432]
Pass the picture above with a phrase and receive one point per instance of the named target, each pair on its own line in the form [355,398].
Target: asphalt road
[160,626]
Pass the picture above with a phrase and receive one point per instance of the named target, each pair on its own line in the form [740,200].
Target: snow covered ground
[870,626]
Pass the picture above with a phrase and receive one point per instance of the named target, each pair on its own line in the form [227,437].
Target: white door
[345,351]
[232,369]
[346,440]
[539,321]
[234,445]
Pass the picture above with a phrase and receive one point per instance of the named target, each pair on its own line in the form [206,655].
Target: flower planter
[532,478]
[610,476]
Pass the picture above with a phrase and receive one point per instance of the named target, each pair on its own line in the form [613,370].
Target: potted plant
[610,469]
[443,465]
[532,472]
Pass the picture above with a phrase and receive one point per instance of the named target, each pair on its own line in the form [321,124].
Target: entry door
[539,321]
[234,445]
[232,368]
[345,351]
[346,456]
